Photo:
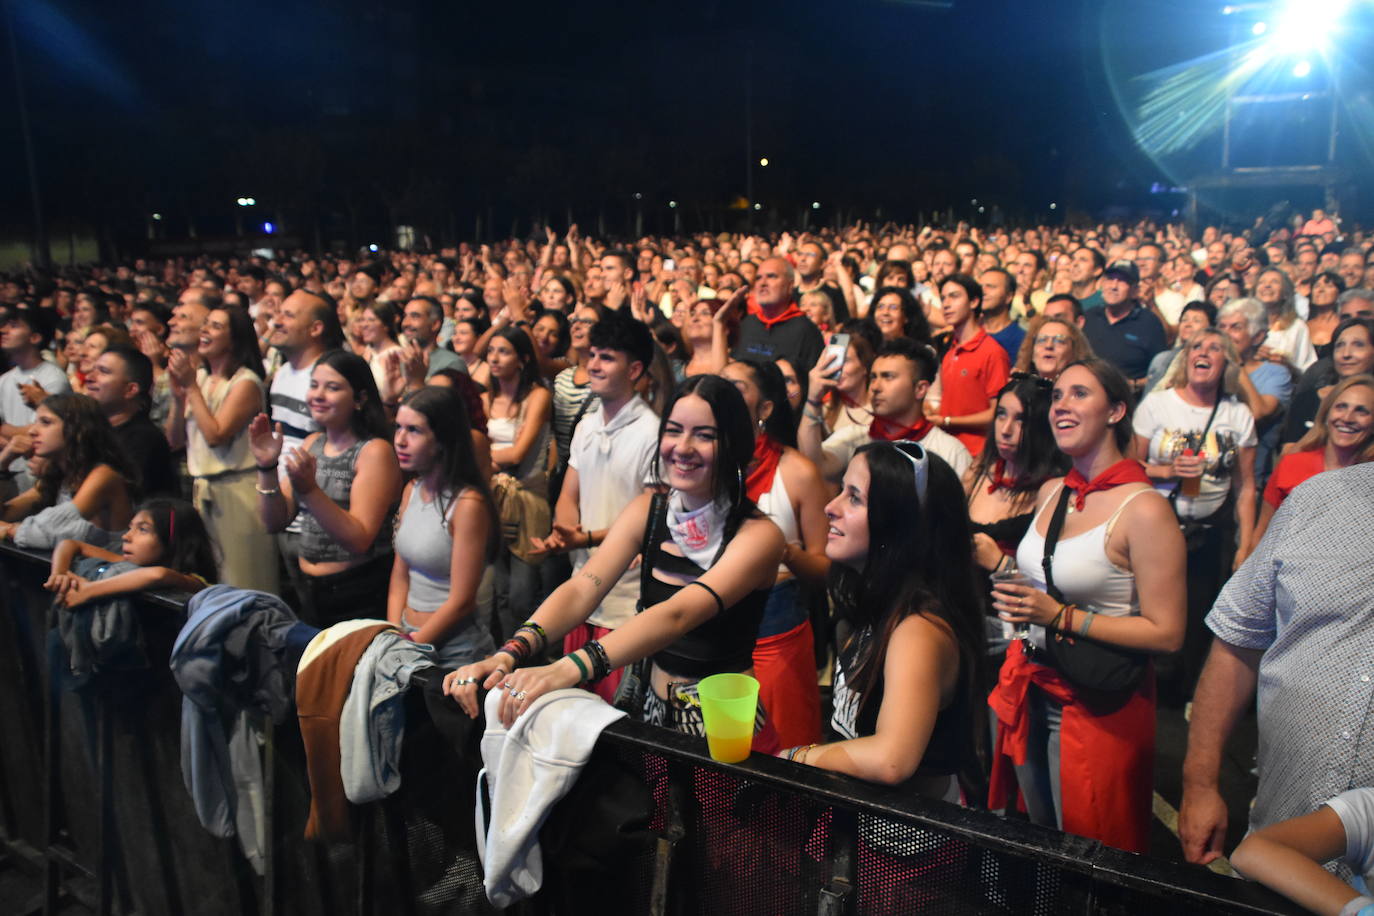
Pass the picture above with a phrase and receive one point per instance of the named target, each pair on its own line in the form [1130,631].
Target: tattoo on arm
[596,580]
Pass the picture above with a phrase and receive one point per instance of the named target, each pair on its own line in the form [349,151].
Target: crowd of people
[983,491]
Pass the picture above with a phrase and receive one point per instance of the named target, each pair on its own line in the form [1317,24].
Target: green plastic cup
[728,705]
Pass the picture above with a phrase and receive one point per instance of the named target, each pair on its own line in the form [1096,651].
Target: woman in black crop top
[710,557]
[1018,456]
[908,704]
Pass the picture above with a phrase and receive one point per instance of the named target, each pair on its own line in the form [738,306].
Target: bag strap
[1061,510]
[1173,497]
[658,508]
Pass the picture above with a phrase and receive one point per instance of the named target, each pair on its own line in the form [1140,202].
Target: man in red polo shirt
[975,368]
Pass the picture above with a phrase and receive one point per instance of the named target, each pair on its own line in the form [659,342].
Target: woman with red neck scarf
[787,488]
[844,396]
[1018,456]
[1083,755]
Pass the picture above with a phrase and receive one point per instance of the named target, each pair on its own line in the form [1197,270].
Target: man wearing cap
[23,336]
[1123,332]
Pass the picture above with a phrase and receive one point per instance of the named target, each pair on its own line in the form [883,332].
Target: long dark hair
[186,544]
[914,323]
[564,339]
[1037,457]
[529,363]
[920,561]
[88,441]
[243,343]
[767,378]
[734,443]
[369,418]
[443,409]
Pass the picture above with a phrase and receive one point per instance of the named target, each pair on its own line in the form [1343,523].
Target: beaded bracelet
[517,648]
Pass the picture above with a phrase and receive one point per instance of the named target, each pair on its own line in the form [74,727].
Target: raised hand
[265,443]
[300,470]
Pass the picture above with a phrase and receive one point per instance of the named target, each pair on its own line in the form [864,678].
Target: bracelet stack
[793,752]
[525,642]
[601,662]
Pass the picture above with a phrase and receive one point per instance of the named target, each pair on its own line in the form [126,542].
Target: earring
[739,475]
[761,424]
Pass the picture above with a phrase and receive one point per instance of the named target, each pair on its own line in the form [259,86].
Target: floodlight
[1302,68]
[1308,25]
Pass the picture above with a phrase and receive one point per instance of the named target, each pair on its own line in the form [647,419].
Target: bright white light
[638,196]
[1259,28]
[371,247]
[981,209]
[672,205]
[1054,206]
[269,228]
[1302,68]
[758,206]
[1307,25]
[157,216]
[815,205]
[764,162]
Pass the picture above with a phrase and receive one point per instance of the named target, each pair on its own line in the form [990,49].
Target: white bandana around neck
[699,533]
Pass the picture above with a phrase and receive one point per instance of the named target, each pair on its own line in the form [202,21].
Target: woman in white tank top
[1084,759]
[788,489]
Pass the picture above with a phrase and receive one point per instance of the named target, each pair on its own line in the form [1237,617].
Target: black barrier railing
[92,801]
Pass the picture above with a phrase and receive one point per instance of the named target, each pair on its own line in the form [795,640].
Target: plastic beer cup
[728,705]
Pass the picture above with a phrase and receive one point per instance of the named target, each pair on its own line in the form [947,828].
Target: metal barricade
[91,798]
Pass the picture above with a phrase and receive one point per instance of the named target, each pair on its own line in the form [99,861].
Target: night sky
[346,116]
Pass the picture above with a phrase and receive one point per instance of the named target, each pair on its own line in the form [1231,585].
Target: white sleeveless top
[1082,570]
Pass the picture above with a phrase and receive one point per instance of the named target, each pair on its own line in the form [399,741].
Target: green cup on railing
[728,704]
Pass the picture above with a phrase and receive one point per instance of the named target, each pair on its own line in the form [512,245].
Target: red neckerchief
[998,480]
[789,312]
[885,430]
[765,464]
[1124,471]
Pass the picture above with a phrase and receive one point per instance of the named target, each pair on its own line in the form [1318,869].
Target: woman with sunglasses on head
[907,695]
[1118,572]
[711,560]
[1000,488]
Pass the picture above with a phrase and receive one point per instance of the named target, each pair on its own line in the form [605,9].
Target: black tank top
[725,643]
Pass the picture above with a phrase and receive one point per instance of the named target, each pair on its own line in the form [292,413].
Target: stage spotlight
[1259,28]
[1301,69]
[1308,25]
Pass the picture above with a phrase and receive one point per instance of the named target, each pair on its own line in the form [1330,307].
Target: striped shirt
[1306,598]
[567,401]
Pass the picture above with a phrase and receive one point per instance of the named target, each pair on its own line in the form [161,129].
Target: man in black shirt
[778,329]
[120,382]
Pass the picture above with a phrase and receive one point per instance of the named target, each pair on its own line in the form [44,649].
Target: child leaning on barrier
[1288,856]
[166,546]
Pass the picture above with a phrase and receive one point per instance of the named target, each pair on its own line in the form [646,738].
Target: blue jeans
[519,589]
[1039,775]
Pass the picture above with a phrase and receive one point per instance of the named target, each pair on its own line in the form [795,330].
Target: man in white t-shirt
[25,333]
[609,465]
[304,327]
[901,376]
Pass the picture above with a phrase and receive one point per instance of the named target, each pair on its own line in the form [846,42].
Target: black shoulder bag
[1087,663]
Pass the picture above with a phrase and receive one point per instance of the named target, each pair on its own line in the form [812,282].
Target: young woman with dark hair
[551,335]
[711,561]
[1121,585]
[1000,488]
[518,410]
[466,333]
[787,487]
[446,531]
[908,695]
[378,325]
[212,408]
[86,489]
[343,482]
[897,314]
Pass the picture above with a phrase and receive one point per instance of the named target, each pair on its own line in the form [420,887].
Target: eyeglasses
[920,463]
[1058,340]
[583,321]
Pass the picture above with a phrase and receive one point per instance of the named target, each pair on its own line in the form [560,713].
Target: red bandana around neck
[1124,471]
[998,480]
[885,430]
[767,452]
[789,312]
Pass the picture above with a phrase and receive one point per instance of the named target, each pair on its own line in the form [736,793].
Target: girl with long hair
[787,487]
[518,409]
[1322,317]
[87,486]
[711,560]
[908,694]
[1288,341]
[1000,487]
[1118,567]
[446,531]
[343,483]
[1341,435]
[839,394]
[211,410]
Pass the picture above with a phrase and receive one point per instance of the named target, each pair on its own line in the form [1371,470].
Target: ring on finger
[518,694]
